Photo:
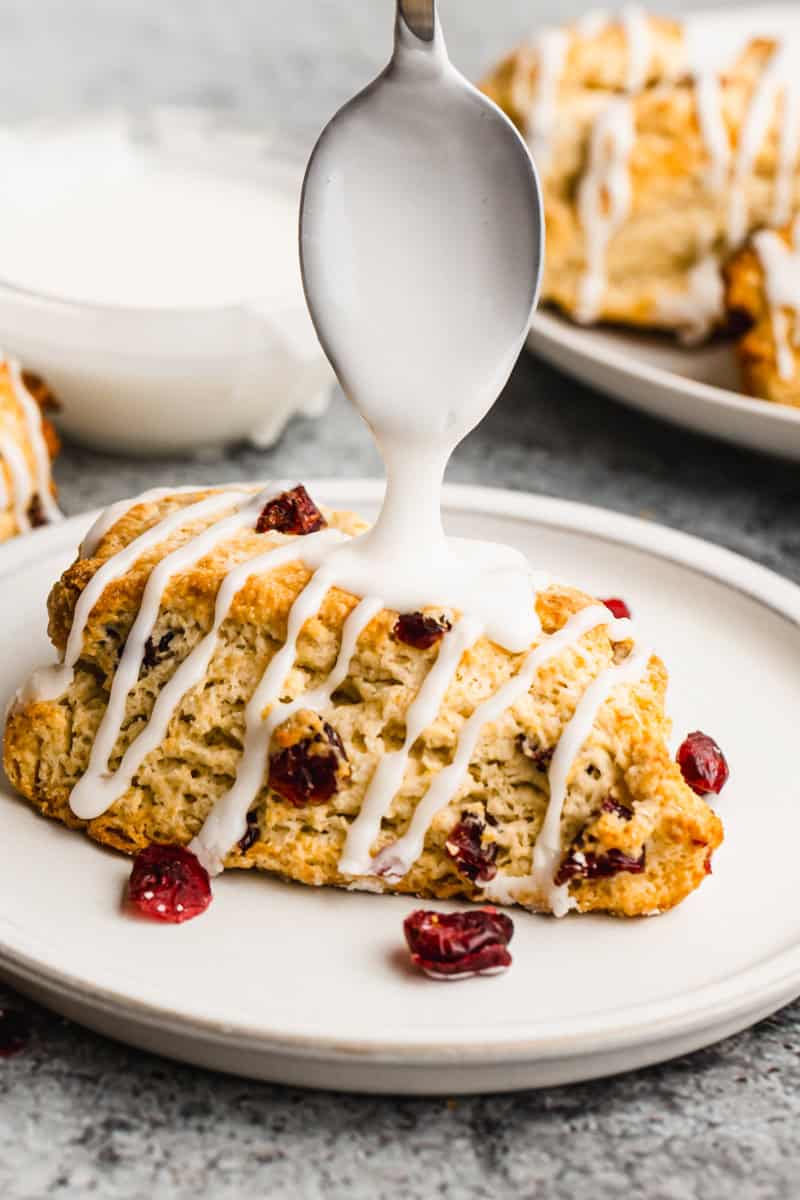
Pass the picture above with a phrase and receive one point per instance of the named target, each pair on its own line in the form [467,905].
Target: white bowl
[159,380]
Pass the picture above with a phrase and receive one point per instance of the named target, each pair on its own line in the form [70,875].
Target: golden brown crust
[47,743]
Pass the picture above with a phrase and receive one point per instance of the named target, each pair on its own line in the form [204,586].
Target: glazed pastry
[763,300]
[214,690]
[659,152]
[28,443]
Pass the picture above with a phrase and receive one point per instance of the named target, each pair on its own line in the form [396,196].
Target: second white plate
[691,386]
[312,986]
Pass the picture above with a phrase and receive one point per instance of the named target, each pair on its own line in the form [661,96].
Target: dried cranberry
[168,883]
[153,653]
[308,771]
[15,1031]
[419,631]
[613,806]
[454,945]
[702,764]
[473,859]
[540,756]
[291,512]
[618,607]
[252,833]
[580,865]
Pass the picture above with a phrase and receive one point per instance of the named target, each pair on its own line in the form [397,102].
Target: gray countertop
[82,1116]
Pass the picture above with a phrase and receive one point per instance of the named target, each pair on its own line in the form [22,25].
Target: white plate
[691,386]
[312,987]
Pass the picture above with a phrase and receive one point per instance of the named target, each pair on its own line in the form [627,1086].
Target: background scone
[28,443]
[656,161]
[632,838]
[763,300]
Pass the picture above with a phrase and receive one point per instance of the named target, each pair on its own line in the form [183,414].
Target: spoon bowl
[421,242]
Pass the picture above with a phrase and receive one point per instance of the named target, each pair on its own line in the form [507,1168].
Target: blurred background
[291,61]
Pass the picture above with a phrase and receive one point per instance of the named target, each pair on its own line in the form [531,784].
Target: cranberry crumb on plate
[168,883]
[702,764]
[460,944]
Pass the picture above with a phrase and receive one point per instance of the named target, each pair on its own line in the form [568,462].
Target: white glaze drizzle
[788,148]
[113,513]
[604,198]
[192,670]
[50,682]
[120,508]
[781,266]
[26,483]
[345,567]
[88,797]
[696,311]
[227,821]
[318,698]
[32,416]
[547,850]
[550,53]
[636,25]
[521,89]
[604,193]
[760,114]
[13,456]
[388,776]
[784,357]
[394,861]
[713,130]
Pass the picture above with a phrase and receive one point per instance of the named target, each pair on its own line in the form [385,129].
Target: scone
[199,702]
[657,158]
[763,300]
[28,443]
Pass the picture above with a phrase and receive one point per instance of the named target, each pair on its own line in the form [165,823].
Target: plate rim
[767,983]
[553,327]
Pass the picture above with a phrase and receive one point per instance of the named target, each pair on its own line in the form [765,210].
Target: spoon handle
[419,16]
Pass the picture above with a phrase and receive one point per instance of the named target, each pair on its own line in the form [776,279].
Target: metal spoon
[421,241]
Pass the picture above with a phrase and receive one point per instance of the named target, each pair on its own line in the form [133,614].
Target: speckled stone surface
[83,1117]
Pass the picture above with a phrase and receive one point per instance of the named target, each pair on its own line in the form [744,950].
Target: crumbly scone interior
[624,794]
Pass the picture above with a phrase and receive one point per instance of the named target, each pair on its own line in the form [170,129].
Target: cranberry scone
[215,691]
[659,148]
[762,295]
[28,444]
